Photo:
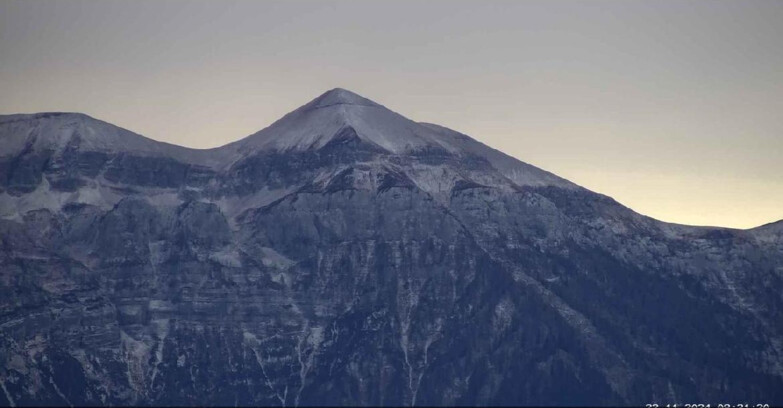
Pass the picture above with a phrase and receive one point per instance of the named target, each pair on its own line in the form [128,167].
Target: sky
[673,108]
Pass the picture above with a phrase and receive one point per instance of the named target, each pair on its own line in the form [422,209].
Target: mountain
[346,255]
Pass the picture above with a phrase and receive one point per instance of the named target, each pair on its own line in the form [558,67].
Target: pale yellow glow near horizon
[673,108]
[736,203]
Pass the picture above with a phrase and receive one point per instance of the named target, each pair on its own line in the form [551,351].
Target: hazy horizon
[671,108]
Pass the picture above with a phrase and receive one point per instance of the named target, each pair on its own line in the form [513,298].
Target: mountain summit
[330,115]
[346,255]
[340,96]
[338,113]
[343,117]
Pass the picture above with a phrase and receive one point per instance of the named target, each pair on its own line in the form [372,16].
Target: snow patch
[274,259]
[7,394]
[227,256]
[136,354]
[161,328]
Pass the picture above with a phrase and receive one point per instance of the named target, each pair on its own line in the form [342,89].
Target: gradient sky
[674,108]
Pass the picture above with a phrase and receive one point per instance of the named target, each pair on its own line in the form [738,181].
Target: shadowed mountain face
[346,255]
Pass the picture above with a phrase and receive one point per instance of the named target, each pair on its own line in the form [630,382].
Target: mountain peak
[340,96]
[338,112]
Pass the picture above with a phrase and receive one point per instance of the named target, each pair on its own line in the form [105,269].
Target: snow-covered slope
[309,127]
[52,160]
[313,125]
[349,256]
[57,131]
[318,122]
[772,232]
[519,172]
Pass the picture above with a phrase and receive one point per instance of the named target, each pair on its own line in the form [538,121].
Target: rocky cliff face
[348,256]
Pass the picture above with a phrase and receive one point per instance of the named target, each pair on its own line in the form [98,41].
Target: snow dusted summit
[346,255]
